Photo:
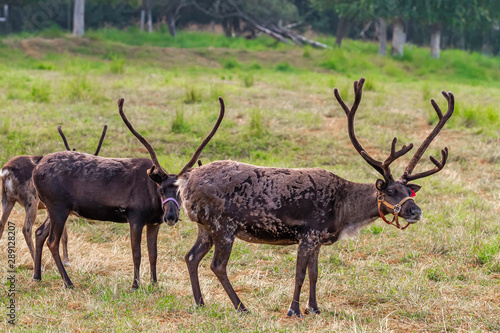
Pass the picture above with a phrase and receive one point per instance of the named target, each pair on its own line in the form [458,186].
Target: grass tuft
[231,64]
[191,95]
[180,125]
[248,80]
[284,67]
[117,65]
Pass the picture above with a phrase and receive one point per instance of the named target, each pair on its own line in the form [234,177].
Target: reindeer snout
[171,218]
[415,214]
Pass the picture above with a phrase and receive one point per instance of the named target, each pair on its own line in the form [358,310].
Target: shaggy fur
[309,207]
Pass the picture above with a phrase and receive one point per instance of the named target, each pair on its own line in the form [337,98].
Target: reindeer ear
[154,176]
[380,184]
[414,187]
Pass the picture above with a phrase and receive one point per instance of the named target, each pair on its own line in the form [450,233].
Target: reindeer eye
[390,191]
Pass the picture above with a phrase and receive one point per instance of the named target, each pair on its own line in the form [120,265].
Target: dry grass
[439,275]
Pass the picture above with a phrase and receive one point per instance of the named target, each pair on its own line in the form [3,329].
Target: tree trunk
[398,37]
[143,19]
[461,39]
[68,16]
[150,20]
[226,26]
[486,48]
[435,40]
[5,18]
[171,23]
[341,31]
[79,18]
[382,35]
[236,26]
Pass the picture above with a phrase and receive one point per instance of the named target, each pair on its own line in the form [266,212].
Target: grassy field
[442,274]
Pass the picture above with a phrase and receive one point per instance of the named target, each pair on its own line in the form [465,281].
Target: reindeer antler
[198,151]
[407,176]
[59,129]
[159,170]
[101,140]
[381,167]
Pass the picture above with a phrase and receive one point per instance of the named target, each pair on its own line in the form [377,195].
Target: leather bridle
[176,205]
[395,208]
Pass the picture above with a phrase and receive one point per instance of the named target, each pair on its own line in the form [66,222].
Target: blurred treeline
[463,24]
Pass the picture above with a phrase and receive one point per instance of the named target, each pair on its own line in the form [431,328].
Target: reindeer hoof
[66,262]
[200,304]
[293,313]
[309,310]
[135,286]
[243,310]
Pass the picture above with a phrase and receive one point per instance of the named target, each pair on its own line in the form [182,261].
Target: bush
[284,67]
[231,64]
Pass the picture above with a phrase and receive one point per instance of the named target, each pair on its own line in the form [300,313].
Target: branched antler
[381,167]
[407,176]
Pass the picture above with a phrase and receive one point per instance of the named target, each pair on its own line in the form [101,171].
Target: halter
[171,199]
[396,208]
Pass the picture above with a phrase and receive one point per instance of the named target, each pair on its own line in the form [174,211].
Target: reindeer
[105,189]
[308,207]
[17,186]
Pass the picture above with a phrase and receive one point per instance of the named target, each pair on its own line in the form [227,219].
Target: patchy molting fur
[278,203]
[309,207]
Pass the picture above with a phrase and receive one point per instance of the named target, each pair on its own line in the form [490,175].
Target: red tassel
[413,193]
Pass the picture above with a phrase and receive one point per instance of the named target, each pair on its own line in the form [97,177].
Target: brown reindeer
[308,207]
[106,189]
[17,186]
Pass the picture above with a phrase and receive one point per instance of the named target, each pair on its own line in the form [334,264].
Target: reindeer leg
[222,252]
[31,209]
[135,239]
[64,239]
[306,249]
[312,269]
[152,237]
[6,209]
[57,220]
[200,248]
[41,235]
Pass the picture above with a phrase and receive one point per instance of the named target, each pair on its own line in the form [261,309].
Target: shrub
[284,67]
[231,64]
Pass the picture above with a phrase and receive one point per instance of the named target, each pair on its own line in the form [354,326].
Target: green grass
[280,111]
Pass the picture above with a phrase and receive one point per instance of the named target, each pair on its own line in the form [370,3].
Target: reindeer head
[167,182]
[396,196]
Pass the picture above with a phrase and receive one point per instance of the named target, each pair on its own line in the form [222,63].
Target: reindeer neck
[359,204]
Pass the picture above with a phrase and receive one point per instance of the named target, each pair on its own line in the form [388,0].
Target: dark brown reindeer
[17,186]
[308,207]
[106,189]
